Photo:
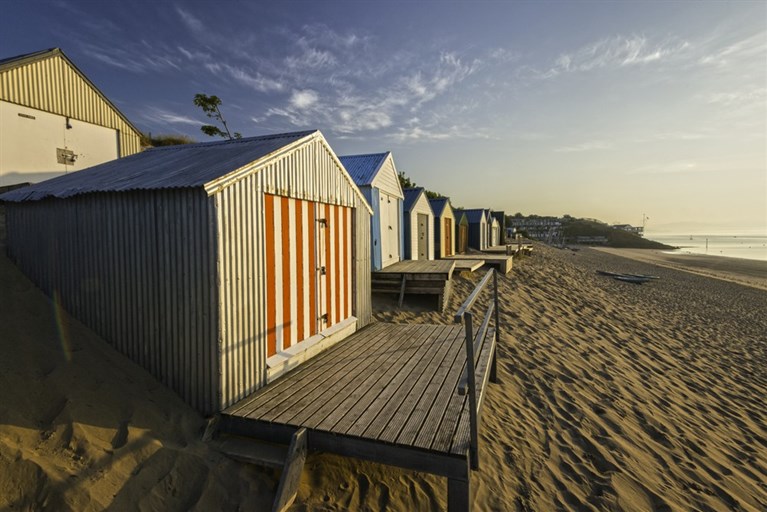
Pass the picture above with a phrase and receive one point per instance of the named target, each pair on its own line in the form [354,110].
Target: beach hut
[377,178]
[419,223]
[494,231]
[54,120]
[477,228]
[461,232]
[501,218]
[444,222]
[214,266]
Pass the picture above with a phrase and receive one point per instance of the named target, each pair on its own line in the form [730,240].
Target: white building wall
[29,139]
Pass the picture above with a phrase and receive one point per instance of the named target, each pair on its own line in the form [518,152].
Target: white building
[53,120]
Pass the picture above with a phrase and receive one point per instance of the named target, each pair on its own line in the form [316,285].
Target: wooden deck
[388,393]
[431,277]
[500,261]
[512,249]
[468,265]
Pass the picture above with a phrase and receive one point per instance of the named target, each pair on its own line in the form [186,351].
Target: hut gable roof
[9,63]
[374,170]
[363,168]
[211,165]
[475,215]
[411,197]
[439,204]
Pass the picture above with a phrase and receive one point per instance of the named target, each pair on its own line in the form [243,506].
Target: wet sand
[612,396]
[739,270]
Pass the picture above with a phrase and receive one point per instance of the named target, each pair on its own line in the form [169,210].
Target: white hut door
[389,213]
[321,271]
[423,236]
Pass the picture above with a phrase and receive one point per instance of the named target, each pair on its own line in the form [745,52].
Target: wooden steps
[290,459]
[429,277]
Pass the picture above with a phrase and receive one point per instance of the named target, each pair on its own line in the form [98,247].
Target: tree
[149,140]
[209,105]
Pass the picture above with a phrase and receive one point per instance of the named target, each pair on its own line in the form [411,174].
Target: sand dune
[613,396]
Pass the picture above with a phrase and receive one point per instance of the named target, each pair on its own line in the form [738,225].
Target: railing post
[493,363]
[474,439]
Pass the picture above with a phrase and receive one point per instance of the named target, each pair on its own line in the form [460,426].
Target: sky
[606,110]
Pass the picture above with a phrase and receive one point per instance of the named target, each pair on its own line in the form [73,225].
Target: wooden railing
[474,346]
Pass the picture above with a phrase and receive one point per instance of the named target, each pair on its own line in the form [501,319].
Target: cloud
[751,96]
[303,99]
[311,58]
[750,47]
[124,59]
[677,167]
[585,146]
[257,81]
[615,52]
[190,21]
[160,115]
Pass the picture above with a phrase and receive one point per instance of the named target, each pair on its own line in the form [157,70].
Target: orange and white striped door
[308,256]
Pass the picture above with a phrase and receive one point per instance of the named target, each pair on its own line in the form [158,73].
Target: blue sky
[595,109]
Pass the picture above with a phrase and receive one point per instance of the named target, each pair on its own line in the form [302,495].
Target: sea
[743,245]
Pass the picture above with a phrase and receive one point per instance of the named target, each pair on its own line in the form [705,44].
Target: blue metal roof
[438,205]
[475,215]
[411,196]
[363,168]
[182,166]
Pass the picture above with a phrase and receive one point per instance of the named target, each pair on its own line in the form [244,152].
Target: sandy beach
[612,396]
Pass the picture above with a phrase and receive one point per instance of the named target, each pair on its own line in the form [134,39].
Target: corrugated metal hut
[419,222]
[211,265]
[501,218]
[461,232]
[54,120]
[377,178]
[444,222]
[477,228]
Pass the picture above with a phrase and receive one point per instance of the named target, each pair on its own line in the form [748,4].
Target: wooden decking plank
[438,417]
[358,401]
[427,403]
[300,394]
[238,408]
[418,267]
[461,440]
[318,406]
[376,405]
[274,393]
[419,389]
[402,385]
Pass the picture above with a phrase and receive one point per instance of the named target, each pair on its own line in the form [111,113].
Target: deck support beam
[459,494]
[451,466]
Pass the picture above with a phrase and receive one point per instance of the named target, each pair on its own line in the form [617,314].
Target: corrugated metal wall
[52,85]
[139,269]
[361,286]
[310,173]
[174,278]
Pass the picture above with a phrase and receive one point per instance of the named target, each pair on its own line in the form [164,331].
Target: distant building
[637,230]
[545,229]
[53,120]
